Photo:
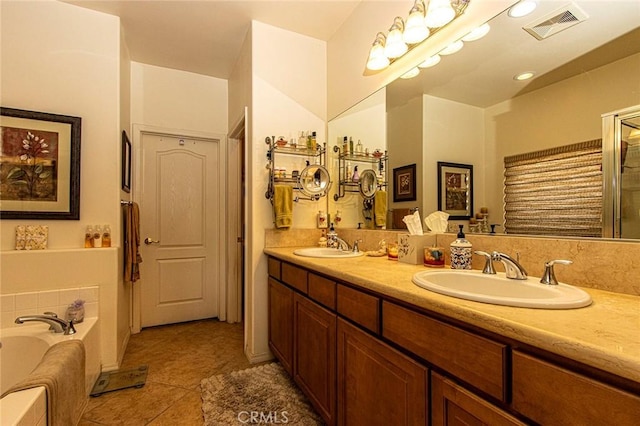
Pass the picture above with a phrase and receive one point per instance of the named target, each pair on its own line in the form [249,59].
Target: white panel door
[179,212]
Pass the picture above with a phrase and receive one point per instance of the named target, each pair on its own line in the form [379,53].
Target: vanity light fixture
[416,29]
[420,24]
[634,134]
[522,8]
[452,48]
[478,33]
[395,46]
[377,59]
[439,13]
[524,76]
[411,73]
[431,61]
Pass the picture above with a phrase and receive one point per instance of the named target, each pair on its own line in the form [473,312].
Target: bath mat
[263,394]
[117,380]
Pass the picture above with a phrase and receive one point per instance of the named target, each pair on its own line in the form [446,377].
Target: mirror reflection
[469,108]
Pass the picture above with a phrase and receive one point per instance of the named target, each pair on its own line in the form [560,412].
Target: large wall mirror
[469,109]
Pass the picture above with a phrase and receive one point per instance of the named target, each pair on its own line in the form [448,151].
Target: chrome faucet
[56,324]
[356,247]
[341,244]
[549,276]
[488,264]
[512,268]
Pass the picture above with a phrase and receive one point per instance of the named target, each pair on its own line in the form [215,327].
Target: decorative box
[411,247]
[36,237]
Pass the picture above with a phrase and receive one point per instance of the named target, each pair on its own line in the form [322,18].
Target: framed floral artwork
[39,165]
[404,183]
[455,189]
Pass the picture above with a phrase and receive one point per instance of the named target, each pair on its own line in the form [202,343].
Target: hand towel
[132,258]
[283,206]
[62,373]
[380,208]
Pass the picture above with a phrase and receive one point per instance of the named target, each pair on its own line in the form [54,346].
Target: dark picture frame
[404,183]
[39,165]
[455,190]
[126,162]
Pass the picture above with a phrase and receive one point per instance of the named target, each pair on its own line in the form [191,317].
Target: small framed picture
[126,162]
[404,183]
[455,190]
[39,165]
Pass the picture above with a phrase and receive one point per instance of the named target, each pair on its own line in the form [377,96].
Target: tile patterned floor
[179,356]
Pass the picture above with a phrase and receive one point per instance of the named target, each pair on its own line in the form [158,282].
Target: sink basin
[326,252]
[499,290]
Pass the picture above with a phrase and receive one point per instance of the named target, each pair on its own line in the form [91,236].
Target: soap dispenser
[461,252]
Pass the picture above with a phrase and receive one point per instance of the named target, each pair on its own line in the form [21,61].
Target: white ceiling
[205,36]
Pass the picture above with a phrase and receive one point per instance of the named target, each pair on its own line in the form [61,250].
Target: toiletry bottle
[359,148]
[347,170]
[97,236]
[106,236]
[461,252]
[88,237]
[356,175]
[350,145]
[345,146]
[312,141]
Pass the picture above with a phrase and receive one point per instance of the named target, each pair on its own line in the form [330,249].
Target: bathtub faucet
[56,324]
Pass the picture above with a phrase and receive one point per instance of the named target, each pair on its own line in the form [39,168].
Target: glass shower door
[629,204]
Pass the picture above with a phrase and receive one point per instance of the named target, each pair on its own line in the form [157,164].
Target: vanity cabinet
[377,385]
[314,368]
[451,404]
[364,358]
[281,323]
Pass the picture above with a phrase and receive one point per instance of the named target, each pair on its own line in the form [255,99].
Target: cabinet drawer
[322,290]
[549,394]
[359,307]
[452,404]
[476,360]
[273,265]
[295,277]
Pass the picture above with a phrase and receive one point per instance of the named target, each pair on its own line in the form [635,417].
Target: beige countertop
[605,335]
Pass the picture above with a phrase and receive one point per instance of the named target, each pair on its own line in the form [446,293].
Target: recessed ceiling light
[430,62]
[411,73]
[522,8]
[524,76]
[452,48]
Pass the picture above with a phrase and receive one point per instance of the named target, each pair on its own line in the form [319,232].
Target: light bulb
[439,13]
[395,46]
[415,30]
[411,73]
[431,61]
[452,48]
[522,8]
[524,76]
[478,33]
[377,59]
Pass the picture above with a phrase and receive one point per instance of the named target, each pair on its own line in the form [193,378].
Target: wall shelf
[377,162]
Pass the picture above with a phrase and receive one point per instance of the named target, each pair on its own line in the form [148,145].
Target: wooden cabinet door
[378,385]
[315,355]
[452,405]
[281,323]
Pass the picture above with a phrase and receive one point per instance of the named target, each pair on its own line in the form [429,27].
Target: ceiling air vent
[556,21]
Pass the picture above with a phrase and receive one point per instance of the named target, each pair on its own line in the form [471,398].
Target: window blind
[557,191]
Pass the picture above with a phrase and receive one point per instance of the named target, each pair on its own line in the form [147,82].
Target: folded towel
[283,205]
[380,208]
[61,372]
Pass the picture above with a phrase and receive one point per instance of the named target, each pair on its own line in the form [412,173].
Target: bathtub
[22,349]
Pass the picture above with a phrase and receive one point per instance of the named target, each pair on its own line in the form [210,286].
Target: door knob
[148,241]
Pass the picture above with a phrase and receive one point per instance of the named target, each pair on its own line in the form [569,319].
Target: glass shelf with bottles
[352,164]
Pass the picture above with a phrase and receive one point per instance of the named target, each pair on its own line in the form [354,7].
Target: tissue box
[411,247]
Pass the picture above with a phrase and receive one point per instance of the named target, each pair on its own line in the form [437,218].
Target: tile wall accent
[601,264]
[38,302]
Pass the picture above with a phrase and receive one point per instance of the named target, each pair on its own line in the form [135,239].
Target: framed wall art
[455,190]
[39,165]
[404,183]
[126,162]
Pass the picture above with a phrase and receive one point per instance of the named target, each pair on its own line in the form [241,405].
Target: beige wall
[288,94]
[61,59]
[561,114]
